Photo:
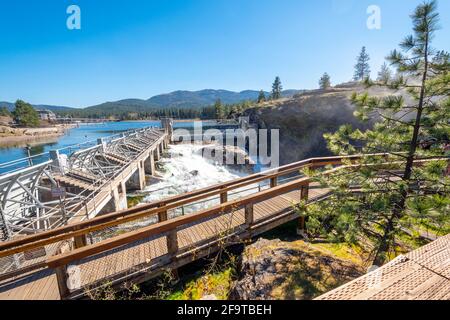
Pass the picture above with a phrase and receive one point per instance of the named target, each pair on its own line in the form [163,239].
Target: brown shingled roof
[423,274]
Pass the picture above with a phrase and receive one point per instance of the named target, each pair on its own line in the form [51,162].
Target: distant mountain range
[10,106]
[176,99]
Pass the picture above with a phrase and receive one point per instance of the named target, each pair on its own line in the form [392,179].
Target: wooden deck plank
[122,259]
[142,253]
[22,286]
[260,211]
[416,276]
[32,289]
[50,289]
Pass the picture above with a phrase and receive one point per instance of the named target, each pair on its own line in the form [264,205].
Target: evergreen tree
[385,74]
[4,112]
[405,196]
[276,89]
[234,111]
[218,107]
[325,81]
[25,115]
[362,67]
[261,96]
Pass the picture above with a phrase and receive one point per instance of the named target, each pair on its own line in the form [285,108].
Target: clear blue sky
[140,48]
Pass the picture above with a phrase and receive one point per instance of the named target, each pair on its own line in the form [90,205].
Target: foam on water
[185,170]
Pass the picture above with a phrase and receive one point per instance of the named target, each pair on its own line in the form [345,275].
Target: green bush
[25,115]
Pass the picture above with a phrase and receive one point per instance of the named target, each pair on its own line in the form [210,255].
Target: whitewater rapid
[183,170]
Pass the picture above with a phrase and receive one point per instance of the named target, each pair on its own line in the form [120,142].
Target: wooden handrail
[160,228]
[83,228]
[173,224]
[98,223]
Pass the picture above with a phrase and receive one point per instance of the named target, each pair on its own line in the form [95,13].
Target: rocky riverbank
[273,269]
[17,137]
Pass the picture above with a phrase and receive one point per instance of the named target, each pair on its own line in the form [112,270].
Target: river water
[182,169]
[84,133]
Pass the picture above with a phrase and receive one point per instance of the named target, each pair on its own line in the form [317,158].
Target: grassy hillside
[303,119]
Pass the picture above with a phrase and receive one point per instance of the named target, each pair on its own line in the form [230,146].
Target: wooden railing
[78,231]
[87,202]
[160,208]
[169,228]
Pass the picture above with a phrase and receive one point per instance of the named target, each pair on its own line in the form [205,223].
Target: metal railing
[25,162]
[55,212]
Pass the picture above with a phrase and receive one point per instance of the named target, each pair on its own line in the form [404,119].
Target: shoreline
[24,140]
[12,137]
[174,120]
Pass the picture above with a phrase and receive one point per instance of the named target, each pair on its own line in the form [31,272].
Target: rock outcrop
[231,156]
[304,119]
[272,269]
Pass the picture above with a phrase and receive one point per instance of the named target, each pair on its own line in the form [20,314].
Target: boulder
[231,156]
[272,269]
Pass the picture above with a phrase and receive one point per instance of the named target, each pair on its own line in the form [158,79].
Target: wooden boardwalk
[141,243]
[423,274]
[42,285]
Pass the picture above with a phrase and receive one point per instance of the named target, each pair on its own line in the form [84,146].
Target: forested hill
[59,109]
[184,102]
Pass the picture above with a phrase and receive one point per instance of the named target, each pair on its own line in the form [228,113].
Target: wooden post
[224,197]
[172,250]
[62,278]
[80,241]
[156,154]
[273,182]
[304,192]
[249,217]
[172,243]
[304,195]
[162,216]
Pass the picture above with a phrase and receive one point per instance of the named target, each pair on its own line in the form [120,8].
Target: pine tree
[25,115]
[276,89]
[234,111]
[362,67]
[385,74]
[325,81]
[4,112]
[406,196]
[261,96]
[219,110]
